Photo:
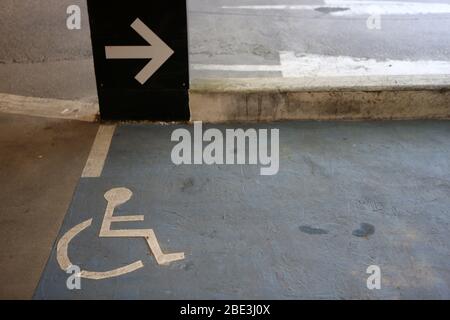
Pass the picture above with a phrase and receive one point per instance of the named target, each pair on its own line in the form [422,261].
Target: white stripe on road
[350,8]
[315,65]
[321,65]
[62,256]
[99,152]
[236,67]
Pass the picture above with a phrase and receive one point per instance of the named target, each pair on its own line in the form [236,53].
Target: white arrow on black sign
[158,51]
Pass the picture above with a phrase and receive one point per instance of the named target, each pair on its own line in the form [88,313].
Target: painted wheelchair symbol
[115,197]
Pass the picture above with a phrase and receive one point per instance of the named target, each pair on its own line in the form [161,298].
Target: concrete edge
[359,83]
[48,108]
[331,98]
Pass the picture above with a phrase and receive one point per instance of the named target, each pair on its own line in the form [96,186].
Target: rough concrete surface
[40,57]
[255,37]
[68,80]
[347,196]
[320,84]
[40,163]
[346,98]
[48,108]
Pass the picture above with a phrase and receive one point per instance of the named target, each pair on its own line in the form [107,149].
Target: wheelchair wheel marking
[115,197]
[64,261]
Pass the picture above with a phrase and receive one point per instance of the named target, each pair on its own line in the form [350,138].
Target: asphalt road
[40,57]
[256,36]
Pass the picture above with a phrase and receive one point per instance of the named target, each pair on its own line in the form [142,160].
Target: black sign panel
[141,58]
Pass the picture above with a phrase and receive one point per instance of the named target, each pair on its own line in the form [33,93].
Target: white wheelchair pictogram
[115,197]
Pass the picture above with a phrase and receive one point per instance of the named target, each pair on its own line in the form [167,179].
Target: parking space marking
[293,65]
[114,197]
[99,152]
[64,262]
[118,196]
[237,67]
[355,8]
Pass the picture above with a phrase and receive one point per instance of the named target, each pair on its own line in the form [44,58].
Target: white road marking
[99,152]
[64,262]
[48,108]
[235,67]
[116,197]
[351,8]
[314,65]
[321,65]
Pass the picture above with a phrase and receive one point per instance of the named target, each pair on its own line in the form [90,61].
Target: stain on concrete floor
[331,9]
[365,230]
[312,231]
[40,163]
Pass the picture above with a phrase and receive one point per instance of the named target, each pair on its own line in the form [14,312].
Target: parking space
[347,196]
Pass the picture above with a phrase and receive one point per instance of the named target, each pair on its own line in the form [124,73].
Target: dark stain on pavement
[188,266]
[365,230]
[313,231]
[330,9]
[187,184]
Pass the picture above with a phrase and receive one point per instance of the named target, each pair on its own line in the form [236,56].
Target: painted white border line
[48,108]
[361,7]
[297,65]
[99,152]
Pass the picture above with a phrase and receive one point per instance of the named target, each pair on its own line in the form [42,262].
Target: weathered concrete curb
[340,98]
[48,108]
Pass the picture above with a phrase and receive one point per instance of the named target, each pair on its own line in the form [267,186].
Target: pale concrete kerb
[359,83]
[48,108]
[331,98]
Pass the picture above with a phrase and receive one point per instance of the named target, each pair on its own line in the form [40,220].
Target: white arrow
[158,51]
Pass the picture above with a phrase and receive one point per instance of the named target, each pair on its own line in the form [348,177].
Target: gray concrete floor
[255,37]
[348,195]
[40,163]
[40,57]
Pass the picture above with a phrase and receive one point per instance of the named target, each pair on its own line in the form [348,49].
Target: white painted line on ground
[352,8]
[48,108]
[236,67]
[99,152]
[64,262]
[324,66]
[119,196]
[115,197]
[313,65]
